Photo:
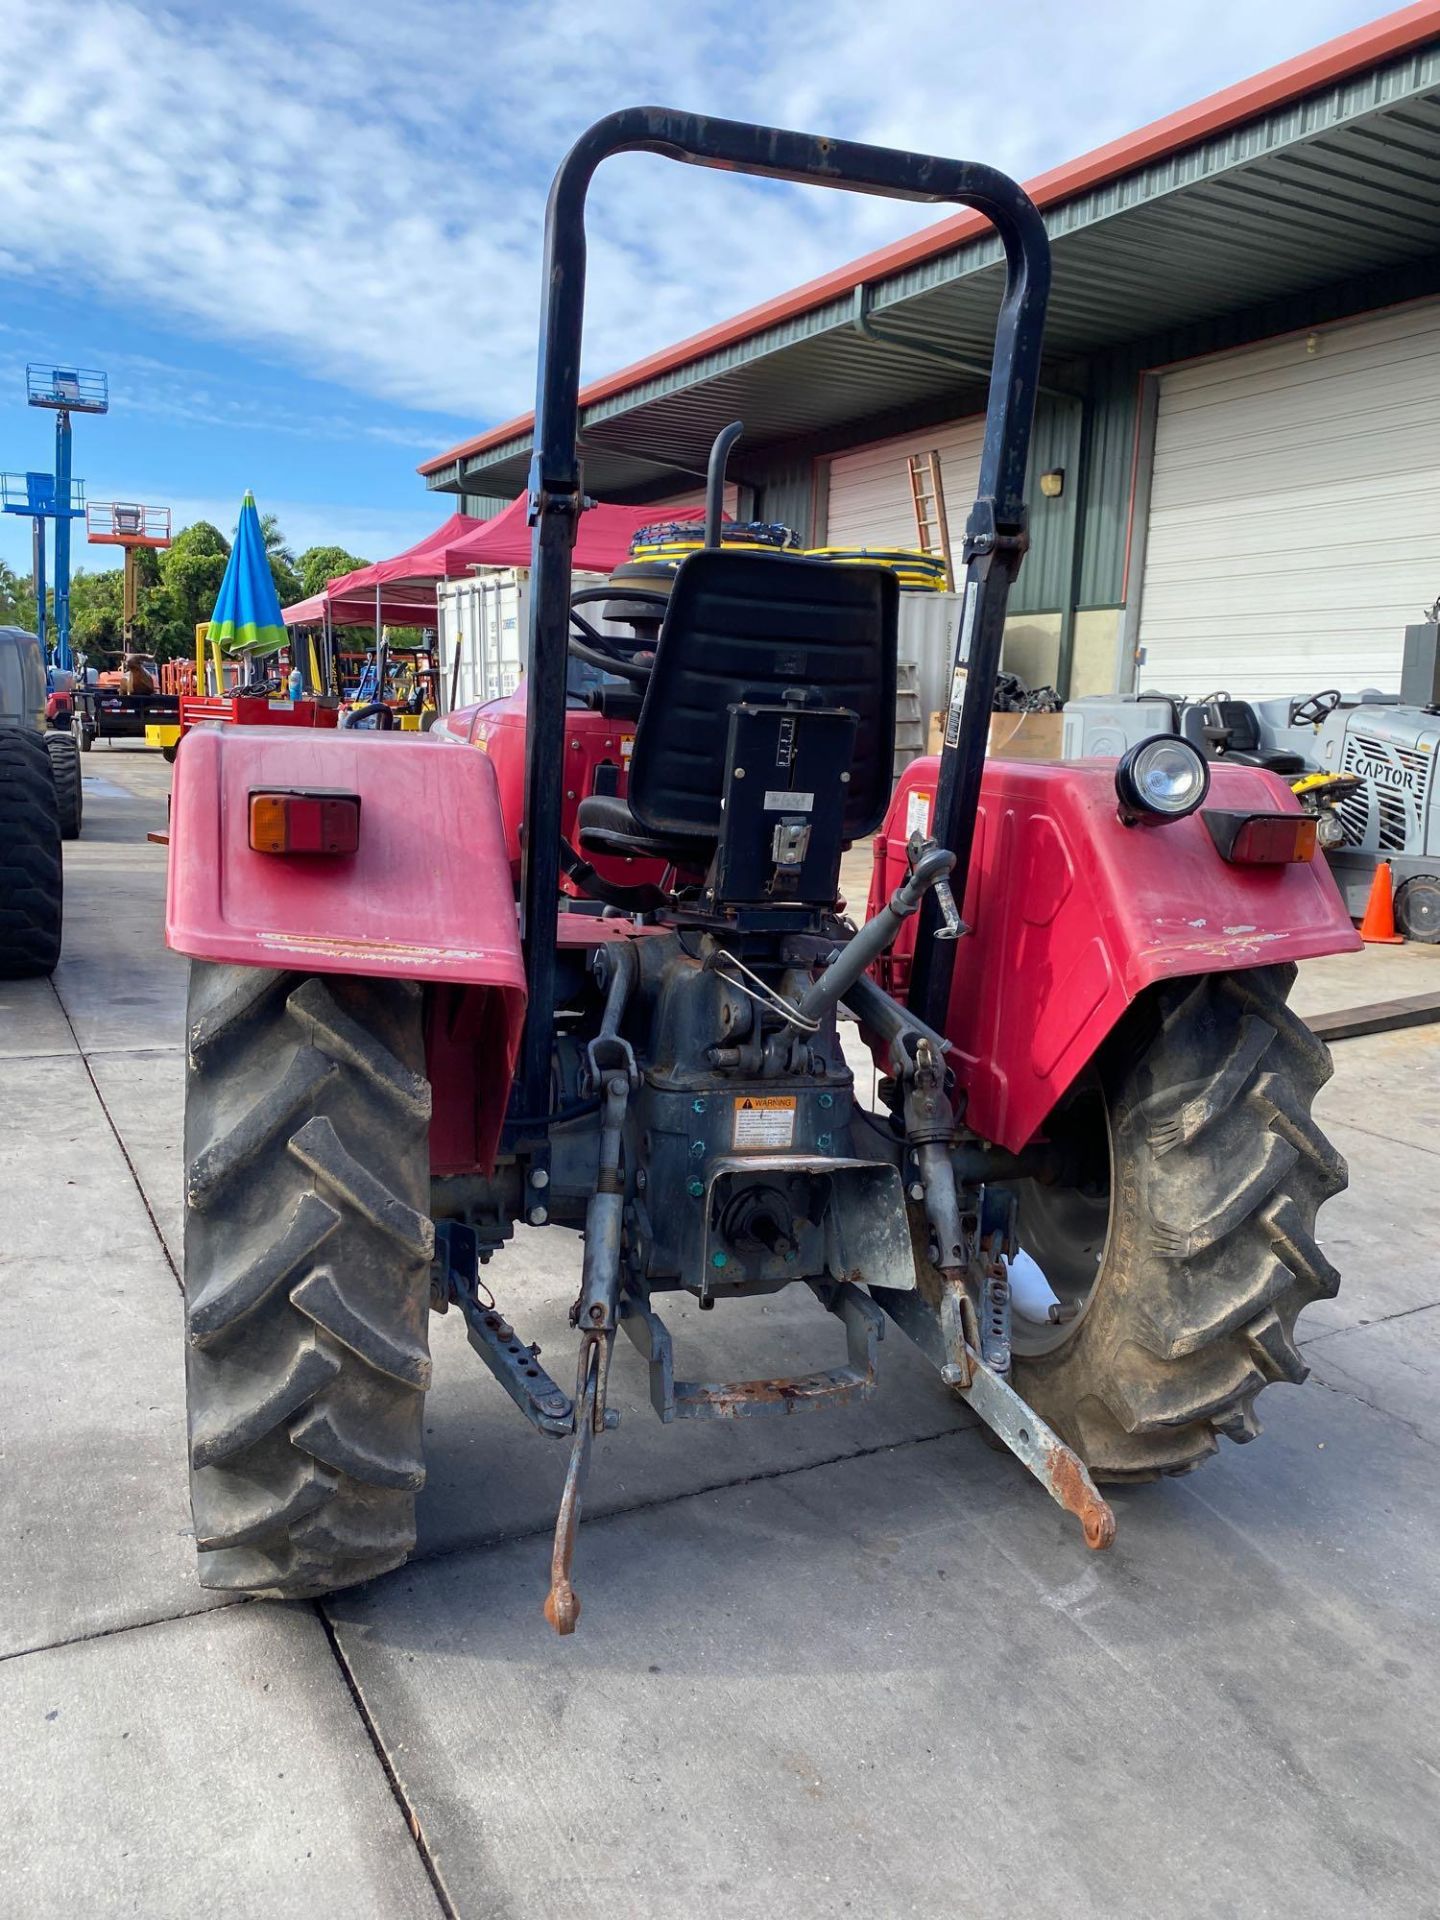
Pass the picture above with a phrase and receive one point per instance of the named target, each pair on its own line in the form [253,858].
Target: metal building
[1241,426]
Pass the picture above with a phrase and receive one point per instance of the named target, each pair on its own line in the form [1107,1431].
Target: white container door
[1294,523]
[870,501]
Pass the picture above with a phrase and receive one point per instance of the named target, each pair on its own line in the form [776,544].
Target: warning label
[763,1120]
[627,747]
[917,812]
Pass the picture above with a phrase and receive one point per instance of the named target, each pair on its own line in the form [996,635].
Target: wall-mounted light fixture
[1052,484]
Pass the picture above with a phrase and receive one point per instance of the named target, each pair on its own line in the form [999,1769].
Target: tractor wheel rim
[1066,1231]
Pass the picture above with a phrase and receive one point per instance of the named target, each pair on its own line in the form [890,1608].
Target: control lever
[930,866]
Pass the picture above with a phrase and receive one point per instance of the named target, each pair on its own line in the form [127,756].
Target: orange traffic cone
[1378,926]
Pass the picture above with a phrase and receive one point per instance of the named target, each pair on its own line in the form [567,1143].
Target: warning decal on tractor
[764,1120]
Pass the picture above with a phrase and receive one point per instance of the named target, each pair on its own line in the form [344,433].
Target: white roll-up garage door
[1294,524]
[870,502]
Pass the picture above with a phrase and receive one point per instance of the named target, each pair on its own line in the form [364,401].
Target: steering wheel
[1309,713]
[608,651]
[377,712]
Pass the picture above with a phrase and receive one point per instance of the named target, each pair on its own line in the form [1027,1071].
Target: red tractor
[1087,1057]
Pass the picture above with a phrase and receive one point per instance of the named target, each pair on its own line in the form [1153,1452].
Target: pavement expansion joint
[483,1543]
[1373,1133]
[119,1141]
[402,1799]
[1387,1413]
[125,1626]
[1362,1326]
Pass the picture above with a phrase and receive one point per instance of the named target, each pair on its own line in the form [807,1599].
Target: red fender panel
[1074,914]
[427,896]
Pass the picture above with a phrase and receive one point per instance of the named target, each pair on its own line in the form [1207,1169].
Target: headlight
[1163,776]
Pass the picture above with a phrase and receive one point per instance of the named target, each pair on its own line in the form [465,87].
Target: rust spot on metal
[1075,1491]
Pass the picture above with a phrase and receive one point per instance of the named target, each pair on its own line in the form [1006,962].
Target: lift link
[929,1131]
[597,1309]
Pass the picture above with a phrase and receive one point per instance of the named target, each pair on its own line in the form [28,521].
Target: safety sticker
[962,655]
[627,747]
[917,812]
[764,1120]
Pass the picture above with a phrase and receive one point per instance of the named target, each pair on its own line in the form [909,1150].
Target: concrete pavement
[856,1664]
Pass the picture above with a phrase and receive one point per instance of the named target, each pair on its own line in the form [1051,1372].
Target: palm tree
[277,547]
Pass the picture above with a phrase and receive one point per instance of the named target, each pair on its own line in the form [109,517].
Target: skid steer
[1073,980]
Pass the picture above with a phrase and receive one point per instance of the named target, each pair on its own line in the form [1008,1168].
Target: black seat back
[747,627]
[1192,725]
[1240,717]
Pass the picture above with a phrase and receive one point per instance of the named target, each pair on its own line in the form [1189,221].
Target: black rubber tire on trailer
[69,791]
[86,737]
[1417,908]
[32,880]
[308,1244]
[1202,1239]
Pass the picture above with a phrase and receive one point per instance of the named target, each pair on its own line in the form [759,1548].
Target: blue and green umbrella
[247,617]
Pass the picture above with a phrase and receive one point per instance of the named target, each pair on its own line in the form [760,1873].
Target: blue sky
[303,239]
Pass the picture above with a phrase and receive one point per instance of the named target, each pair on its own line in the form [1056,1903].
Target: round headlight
[1164,776]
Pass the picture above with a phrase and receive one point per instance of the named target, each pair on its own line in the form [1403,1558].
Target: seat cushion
[1271,762]
[607,825]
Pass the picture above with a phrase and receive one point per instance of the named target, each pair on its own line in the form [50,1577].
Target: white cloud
[357,189]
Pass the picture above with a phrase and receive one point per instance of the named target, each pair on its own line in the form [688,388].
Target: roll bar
[995,535]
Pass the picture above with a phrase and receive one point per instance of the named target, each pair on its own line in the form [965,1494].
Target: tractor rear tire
[1203,1249]
[308,1244]
[69,792]
[32,880]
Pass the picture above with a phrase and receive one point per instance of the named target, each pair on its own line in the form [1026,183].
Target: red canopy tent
[401,591]
[602,544]
[358,610]
[407,584]
[422,563]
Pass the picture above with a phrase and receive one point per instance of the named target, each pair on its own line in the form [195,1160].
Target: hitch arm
[1061,1472]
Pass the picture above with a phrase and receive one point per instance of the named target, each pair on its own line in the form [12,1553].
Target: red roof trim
[1392,35]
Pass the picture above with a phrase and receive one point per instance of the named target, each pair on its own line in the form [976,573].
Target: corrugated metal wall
[1101,494]
[481,506]
[1044,581]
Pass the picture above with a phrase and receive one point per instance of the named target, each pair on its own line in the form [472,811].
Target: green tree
[97,612]
[190,573]
[17,598]
[192,569]
[318,566]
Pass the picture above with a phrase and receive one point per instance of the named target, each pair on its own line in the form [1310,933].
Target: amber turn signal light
[298,822]
[1262,839]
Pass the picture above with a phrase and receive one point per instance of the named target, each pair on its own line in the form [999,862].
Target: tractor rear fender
[1074,914]
[427,895]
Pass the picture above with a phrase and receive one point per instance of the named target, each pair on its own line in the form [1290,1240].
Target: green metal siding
[784,491]
[1100,494]
[1044,582]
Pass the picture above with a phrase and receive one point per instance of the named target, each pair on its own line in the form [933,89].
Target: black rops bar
[995,533]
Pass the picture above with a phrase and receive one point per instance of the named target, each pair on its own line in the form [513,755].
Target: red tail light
[298,822]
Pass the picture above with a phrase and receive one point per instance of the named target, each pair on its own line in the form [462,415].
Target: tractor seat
[1229,730]
[608,826]
[750,628]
